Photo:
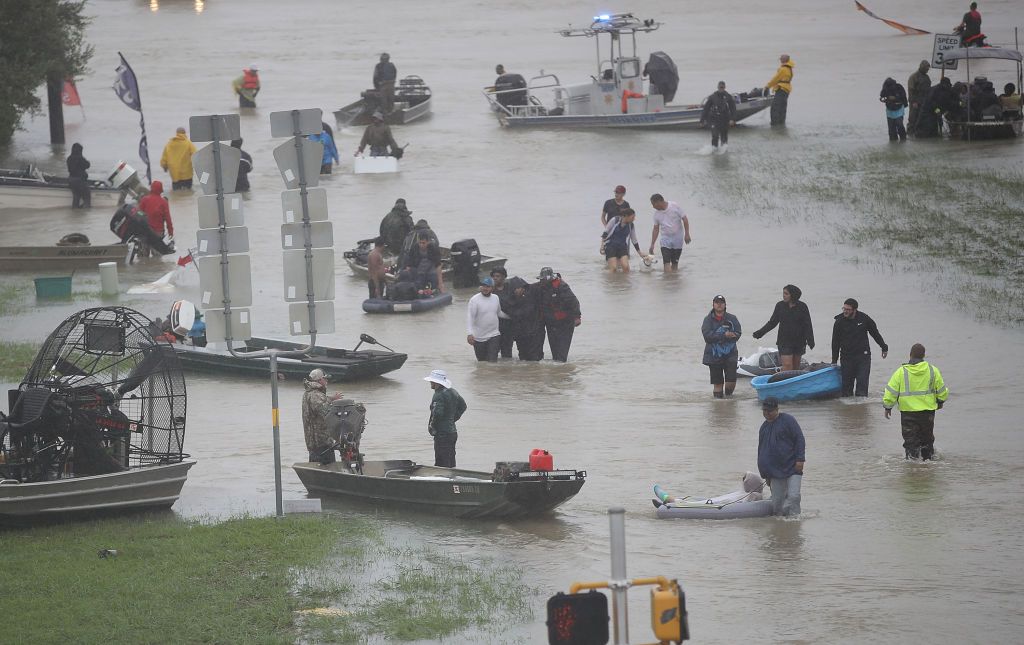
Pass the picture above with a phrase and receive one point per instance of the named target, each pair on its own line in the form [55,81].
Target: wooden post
[55,107]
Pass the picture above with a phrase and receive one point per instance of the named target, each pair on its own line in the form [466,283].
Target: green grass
[12,297]
[15,359]
[316,578]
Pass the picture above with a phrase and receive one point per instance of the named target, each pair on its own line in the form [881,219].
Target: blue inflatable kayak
[822,383]
[382,306]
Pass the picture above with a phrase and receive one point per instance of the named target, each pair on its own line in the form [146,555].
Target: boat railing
[533,106]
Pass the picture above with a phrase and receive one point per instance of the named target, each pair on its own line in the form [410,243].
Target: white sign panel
[944,43]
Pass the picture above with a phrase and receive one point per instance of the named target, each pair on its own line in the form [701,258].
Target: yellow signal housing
[668,613]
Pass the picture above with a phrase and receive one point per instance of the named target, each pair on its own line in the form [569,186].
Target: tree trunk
[54,91]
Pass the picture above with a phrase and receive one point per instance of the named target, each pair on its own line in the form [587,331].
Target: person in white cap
[316,405]
[446,407]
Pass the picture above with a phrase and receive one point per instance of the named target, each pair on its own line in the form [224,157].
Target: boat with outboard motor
[616,96]
[30,188]
[461,264]
[97,425]
[72,251]
[412,103]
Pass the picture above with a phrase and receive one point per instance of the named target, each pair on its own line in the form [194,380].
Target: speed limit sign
[944,43]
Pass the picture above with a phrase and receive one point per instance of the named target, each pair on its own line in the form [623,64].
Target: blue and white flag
[126,86]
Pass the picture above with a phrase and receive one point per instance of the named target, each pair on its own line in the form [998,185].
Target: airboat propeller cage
[102,396]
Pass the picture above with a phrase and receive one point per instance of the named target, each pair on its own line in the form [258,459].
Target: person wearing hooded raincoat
[177,160]
[895,99]
[330,151]
[918,86]
[396,226]
[78,178]
[522,307]
[158,212]
[782,83]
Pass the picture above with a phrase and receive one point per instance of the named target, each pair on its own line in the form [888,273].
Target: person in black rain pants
[78,178]
[559,311]
[719,113]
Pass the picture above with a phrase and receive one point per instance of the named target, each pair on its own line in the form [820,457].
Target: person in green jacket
[917,387]
[446,408]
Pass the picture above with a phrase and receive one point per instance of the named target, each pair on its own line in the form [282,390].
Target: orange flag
[70,93]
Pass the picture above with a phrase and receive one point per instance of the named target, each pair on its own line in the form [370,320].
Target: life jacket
[251,80]
[626,95]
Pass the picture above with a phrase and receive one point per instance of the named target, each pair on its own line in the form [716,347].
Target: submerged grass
[12,297]
[903,208]
[315,578]
[15,359]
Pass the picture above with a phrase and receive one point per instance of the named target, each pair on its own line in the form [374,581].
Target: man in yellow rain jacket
[918,388]
[782,83]
[177,160]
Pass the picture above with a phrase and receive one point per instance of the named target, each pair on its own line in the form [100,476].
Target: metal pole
[276,416]
[619,583]
[306,231]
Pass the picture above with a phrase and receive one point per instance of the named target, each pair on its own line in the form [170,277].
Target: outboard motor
[345,423]
[126,179]
[507,82]
[465,263]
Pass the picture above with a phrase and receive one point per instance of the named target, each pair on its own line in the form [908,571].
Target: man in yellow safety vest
[918,388]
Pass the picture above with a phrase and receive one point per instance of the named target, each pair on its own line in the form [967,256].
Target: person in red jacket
[158,213]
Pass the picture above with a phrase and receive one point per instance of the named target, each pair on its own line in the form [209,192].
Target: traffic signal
[668,613]
[578,619]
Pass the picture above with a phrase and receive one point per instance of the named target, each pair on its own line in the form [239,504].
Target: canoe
[728,506]
[382,306]
[821,383]
[34,258]
[29,188]
[148,487]
[412,103]
[454,492]
[764,361]
[339,364]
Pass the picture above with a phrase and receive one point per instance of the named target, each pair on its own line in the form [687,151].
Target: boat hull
[339,364]
[820,384]
[44,257]
[150,487]
[39,195]
[738,510]
[687,117]
[453,492]
[382,306]
[487,263]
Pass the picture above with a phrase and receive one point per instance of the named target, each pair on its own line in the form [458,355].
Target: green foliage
[40,39]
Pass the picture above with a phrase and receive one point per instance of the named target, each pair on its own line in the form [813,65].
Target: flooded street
[885,550]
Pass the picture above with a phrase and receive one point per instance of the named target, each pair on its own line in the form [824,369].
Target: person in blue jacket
[721,330]
[780,457]
[330,151]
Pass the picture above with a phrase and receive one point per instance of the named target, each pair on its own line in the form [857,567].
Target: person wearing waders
[721,330]
[780,457]
[559,311]
[718,114]
[446,407]
[918,388]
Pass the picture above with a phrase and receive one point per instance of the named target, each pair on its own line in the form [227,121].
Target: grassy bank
[255,580]
[12,298]
[15,359]
[962,228]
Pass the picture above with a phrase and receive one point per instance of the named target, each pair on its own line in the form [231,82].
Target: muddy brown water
[885,550]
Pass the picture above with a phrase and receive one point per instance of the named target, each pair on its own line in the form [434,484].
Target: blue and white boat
[794,385]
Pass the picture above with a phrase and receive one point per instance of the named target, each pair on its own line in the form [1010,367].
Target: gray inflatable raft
[746,502]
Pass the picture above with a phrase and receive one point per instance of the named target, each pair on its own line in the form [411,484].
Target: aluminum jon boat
[617,96]
[454,492]
[825,382]
[31,188]
[412,103]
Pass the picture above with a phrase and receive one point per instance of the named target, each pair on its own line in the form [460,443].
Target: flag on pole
[69,95]
[126,86]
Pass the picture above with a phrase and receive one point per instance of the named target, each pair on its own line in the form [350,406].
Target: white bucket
[108,278]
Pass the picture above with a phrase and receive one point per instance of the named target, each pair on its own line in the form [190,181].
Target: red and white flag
[69,95]
[184,259]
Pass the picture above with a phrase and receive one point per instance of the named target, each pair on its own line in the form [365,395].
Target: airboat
[1004,125]
[617,97]
[97,424]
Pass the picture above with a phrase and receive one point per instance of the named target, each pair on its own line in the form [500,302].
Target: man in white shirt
[671,223]
[482,322]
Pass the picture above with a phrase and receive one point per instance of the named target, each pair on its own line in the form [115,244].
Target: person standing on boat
[378,136]
[895,99]
[782,83]
[504,293]
[482,322]
[970,27]
[158,211]
[396,226]
[795,331]
[850,344]
[247,86]
[78,178]
[614,206]
[918,86]
[559,311]
[330,156]
[384,77]
[244,167]
[719,112]
[721,331]
[671,223]
[780,457]
[919,390]
[378,272]
[177,160]
[446,407]
[316,406]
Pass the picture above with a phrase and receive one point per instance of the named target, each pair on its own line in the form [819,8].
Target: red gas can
[541,460]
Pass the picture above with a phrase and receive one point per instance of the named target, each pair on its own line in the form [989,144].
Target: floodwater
[885,550]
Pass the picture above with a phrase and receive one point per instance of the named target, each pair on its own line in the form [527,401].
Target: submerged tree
[40,41]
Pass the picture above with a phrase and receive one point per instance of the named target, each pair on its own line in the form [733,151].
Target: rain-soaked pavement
[885,550]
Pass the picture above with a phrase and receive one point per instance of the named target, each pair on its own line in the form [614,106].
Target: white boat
[617,96]
[746,502]
[29,188]
[764,361]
